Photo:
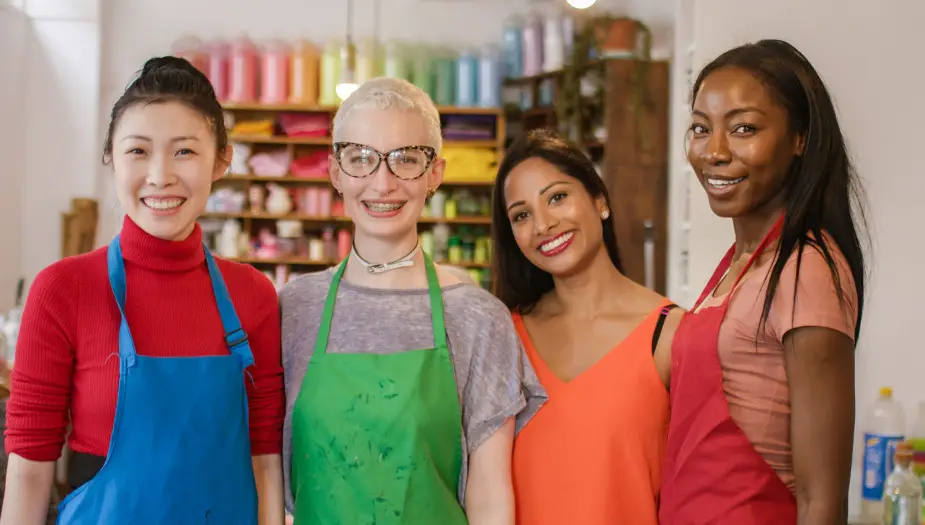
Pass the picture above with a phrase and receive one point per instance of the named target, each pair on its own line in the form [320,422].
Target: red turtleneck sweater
[65,362]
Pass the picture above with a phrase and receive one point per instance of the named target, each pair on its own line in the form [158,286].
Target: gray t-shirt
[494,377]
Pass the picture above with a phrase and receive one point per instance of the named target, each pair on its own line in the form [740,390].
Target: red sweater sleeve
[266,397]
[37,411]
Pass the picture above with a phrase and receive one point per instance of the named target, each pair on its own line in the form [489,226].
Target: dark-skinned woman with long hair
[762,378]
[599,342]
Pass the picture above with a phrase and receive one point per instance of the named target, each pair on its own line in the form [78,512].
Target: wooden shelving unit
[252,222]
[632,153]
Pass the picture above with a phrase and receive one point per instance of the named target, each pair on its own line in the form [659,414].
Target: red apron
[712,474]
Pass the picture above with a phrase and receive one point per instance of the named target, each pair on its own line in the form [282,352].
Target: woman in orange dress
[593,453]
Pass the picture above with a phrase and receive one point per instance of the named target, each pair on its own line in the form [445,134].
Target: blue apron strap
[235,337]
[116,269]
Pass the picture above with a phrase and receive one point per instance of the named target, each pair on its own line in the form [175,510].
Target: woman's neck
[154,253]
[750,230]
[376,250]
[587,292]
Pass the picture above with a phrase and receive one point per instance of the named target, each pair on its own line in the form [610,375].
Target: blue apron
[180,449]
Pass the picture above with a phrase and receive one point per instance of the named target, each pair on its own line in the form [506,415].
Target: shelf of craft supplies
[326,141]
[495,143]
[300,108]
[320,180]
[315,218]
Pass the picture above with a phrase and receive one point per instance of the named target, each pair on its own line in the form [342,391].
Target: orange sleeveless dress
[593,454]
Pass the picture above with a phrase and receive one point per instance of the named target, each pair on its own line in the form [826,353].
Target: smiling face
[741,146]
[382,205]
[555,220]
[164,161]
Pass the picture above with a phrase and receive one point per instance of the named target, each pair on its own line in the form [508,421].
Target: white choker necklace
[407,260]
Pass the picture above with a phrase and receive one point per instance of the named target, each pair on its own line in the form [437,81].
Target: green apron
[376,438]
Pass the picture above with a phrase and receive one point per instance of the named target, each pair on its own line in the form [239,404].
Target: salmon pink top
[593,454]
[754,368]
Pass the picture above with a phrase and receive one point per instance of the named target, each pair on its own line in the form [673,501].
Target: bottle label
[879,451]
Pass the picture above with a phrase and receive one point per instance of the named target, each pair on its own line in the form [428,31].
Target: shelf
[312,218]
[261,139]
[306,180]
[326,141]
[300,108]
[546,75]
[304,261]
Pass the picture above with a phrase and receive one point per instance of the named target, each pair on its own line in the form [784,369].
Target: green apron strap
[436,303]
[436,307]
[324,329]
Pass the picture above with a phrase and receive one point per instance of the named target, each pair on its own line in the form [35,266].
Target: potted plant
[599,38]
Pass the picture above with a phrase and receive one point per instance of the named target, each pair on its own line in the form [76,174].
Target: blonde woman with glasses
[405,385]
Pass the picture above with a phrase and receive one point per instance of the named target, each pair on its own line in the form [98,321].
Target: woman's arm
[268,473]
[820,370]
[815,322]
[266,399]
[28,491]
[37,411]
[489,492]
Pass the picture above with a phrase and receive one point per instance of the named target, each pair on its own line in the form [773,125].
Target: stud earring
[605,214]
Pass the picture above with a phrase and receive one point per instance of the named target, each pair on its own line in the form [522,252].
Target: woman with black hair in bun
[164,360]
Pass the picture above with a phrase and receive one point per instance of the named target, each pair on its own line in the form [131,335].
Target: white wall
[62,104]
[869,54]
[12,43]
[50,140]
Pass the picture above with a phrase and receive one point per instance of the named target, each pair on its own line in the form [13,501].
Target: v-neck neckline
[544,370]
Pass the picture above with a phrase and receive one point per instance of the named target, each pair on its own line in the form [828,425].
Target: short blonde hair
[391,93]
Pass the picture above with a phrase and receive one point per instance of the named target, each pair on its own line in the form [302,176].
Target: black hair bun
[170,74]
[168,65]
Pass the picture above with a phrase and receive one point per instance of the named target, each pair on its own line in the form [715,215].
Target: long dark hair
[517,282]
[823,193]
[170,79]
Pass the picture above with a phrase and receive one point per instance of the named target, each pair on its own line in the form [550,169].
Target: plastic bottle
[553,45]
[217,68]
[884,427]
[467,79]
[918,446]
[396,65]
[274,72]
[533,46]
[366,63]
[489,78]
[568,35]
[330,73]
[304,84]
[242,72]
[512,47]
[445,85]
[902,493]
[422,70]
